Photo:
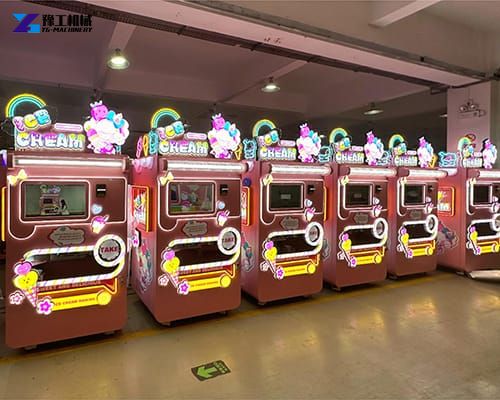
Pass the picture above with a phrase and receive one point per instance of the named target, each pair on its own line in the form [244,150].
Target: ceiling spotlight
[443,115]
[270,86]
[118,60]
[373,110]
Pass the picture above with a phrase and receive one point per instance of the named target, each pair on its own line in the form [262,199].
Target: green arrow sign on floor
[210,370]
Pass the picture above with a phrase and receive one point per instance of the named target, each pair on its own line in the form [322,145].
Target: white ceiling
[477,14]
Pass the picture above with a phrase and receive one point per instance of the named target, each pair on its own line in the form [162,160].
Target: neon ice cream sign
[343,150]
[36,132]
[269,147]
[401,156]
[468,156]
[222,141]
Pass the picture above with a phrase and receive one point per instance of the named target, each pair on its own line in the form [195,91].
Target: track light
[118,60]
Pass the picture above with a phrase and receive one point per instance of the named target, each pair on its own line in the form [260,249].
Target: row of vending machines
[195,218]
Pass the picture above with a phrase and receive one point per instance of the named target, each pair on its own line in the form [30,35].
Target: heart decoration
[96,209]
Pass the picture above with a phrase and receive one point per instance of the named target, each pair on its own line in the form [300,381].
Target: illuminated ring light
[431,224]
[335,133]
[261,124]
[237,243]
[395,140]
[121,255]
[320,234]
[380,223]
[495,223]
[164,112]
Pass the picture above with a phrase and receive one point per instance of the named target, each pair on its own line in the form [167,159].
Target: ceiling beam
[385,13]
[119,40]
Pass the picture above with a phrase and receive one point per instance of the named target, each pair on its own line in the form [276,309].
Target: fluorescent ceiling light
[118,60]
[443,115]
[270,86]
[373,110]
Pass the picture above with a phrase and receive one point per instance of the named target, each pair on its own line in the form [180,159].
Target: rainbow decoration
[261,124]
[336,134]
[13,103]
[465,141]
[395,140]
[164,112]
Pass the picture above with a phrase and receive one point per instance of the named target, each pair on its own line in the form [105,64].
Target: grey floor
[436,336]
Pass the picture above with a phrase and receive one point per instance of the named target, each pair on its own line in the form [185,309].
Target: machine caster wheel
[29,348]
[223,312]
[307,296]
[167,324]
[393,277]
[335,288]
[261,303]
[109,333]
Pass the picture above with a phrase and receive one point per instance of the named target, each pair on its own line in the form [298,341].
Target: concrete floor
[436,336]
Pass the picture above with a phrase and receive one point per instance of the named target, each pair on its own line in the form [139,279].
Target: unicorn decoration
[224,137]
[106,130]
[308,144]
[425,153]
[374,149]
[489,152]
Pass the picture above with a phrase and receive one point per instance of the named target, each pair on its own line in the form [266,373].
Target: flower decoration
[183,288]
[44,306]
[280,273]
[16,297]
[163,280]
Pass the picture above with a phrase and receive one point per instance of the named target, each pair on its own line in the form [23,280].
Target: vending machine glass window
[55,200]
[285,196]
[482,194]
[191,198]
[414,195]
[358,195]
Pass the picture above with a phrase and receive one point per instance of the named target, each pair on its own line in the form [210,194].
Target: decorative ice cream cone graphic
[32,295]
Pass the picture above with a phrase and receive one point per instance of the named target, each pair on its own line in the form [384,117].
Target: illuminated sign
[222,141]
[140,206]
[49,141]
[374,150]
[344,152]
[400,155]
[446,201]
[278,153]
[106,129]
[469,157]
[193,148]
[266,145]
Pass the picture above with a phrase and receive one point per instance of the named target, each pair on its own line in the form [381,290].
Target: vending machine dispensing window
[285,196]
